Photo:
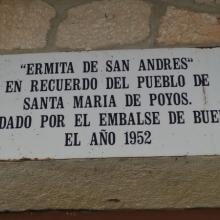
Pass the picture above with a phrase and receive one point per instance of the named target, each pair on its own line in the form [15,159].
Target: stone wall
[32,26]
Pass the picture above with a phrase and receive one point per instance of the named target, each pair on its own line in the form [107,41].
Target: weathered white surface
[166,139]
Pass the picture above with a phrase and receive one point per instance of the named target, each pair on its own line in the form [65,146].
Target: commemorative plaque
[122,103]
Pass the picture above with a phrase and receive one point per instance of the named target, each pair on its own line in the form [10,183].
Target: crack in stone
[205,100]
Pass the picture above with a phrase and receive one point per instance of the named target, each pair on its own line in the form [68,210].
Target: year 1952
[137,137]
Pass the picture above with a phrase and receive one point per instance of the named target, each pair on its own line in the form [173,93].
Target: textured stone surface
[104,23]
[24,23]
[207,1]
[180,26]
[141,183]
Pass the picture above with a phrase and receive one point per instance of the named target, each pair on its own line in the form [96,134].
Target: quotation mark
[23,66]
[189,59]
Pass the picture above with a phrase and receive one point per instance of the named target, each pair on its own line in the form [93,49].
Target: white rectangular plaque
[123,103]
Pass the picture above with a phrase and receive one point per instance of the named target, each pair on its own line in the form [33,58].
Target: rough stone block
[180,26]
[114,183]
[24,23]
[104,23]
